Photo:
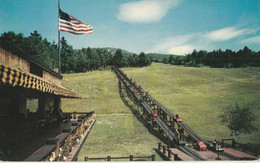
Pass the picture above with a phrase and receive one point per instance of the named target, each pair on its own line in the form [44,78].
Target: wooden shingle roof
[18,78]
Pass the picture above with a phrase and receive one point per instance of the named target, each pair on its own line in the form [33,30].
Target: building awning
[18,78]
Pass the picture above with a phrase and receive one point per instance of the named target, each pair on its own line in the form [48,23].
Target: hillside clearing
[117,131]
[198,95]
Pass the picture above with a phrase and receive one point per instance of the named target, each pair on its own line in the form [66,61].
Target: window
[36,70]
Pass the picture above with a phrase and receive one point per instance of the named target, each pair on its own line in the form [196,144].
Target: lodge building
[23,78]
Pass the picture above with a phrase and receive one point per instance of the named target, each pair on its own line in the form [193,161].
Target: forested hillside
[216,59]
[72,60]
[88,59]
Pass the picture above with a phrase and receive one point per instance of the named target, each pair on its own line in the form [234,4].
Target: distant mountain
[154,56]
[113,50]
[159,54]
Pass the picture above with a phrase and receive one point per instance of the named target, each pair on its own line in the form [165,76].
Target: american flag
[67,23]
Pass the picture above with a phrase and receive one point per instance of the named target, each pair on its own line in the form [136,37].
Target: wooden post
[131,158]
[217,147]
[14,106]
[159,129]
[57,103]
[233,143]
[153,157]
[175,156]
[22,106]
[164,116]
[44,105]
[164,149]
[86,159]
[161,113]
[74,115]
[172,122]
[108,158]
[159,146]
[169,153]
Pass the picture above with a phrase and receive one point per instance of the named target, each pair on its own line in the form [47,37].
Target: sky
[150,26]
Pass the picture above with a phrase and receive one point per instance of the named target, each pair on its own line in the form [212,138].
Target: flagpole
[59,69]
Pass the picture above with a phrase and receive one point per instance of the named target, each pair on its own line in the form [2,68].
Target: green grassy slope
[102,89]
[198,95]
[117,132]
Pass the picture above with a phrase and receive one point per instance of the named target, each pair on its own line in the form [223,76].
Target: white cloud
[251,40]
[181,50]
[184,44]
[181,44]
[145,11]
[226,34]
[166,44]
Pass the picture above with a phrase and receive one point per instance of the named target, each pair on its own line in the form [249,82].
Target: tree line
[217,58]
[88,59]
[72,60]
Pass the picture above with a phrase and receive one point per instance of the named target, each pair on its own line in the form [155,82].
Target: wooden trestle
[164,124]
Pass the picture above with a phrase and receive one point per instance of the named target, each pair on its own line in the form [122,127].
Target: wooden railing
[131,158]
[166,153]
[60,147]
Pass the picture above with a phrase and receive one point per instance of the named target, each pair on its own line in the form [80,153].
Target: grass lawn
[102,89]
[199,95]
[117,136]
[117,131]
